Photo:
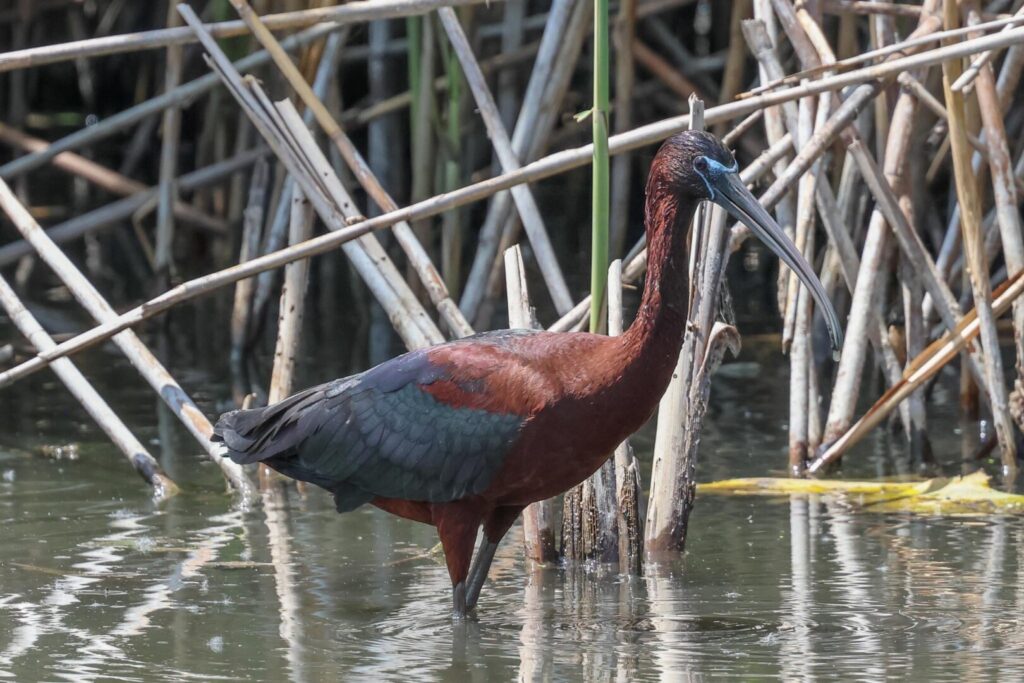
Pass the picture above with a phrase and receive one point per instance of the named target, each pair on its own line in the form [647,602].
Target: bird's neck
[653,340]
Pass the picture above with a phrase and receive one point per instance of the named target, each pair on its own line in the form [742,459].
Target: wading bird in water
[469,432]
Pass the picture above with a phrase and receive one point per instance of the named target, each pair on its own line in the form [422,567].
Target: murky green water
[98,582]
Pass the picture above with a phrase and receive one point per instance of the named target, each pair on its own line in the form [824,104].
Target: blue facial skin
[715,169]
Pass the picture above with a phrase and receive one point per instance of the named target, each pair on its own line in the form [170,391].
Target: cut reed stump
[539,517]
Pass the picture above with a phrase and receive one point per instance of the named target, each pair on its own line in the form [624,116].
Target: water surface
[99,582]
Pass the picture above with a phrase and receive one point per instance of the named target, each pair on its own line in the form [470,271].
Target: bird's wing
[419,427]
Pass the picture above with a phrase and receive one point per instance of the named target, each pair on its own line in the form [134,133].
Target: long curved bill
[734,197]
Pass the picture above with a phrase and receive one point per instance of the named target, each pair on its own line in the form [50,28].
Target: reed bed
[437,142]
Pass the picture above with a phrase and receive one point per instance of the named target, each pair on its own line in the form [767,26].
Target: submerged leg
[477,576]
[495,528]
[457,525]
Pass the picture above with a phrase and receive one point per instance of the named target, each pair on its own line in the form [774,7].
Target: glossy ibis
[469,432]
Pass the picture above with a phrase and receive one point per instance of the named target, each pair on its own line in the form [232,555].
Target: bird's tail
[257,434]
[274,435]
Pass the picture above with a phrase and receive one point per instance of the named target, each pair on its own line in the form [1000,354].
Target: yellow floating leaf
[966,495]
[784,485]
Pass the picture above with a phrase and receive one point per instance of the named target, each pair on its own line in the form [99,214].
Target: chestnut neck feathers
[661,319]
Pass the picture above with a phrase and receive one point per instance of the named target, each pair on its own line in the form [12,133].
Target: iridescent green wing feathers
[376,434]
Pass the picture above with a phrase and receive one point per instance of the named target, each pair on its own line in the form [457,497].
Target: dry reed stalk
[798,38]
[422,113]
[736,57]
[293,301]
[911,246]
[1006,198]
[140,356]
[663,70]
[452,223]
[789,284]
[927,99]
[139,458]
[417,255]
[916,341]
[542,168]
[834,218]
[105,178]
[815,52]
[1006,84]
[964,82]
[252,225]
[628,492]
[326,17]
[801,352]
[511,39]
[978,272]
[871,8]
[171,133]
[939,354]
[521,195]
[539,517]
[760,34]
[109,214]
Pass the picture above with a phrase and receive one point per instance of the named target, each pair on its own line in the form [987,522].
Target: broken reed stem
[531,172]
[539,517]
[144,361]
[139,458]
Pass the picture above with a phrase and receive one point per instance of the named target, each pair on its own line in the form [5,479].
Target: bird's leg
[459,600]
[457,524]
[477,576]
[495,528]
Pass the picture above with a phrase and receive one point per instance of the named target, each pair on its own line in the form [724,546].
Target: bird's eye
[701,165]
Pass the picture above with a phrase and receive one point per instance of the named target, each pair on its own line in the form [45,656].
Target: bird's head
[696,166]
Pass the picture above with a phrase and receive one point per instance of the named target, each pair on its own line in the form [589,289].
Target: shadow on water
[96,581]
